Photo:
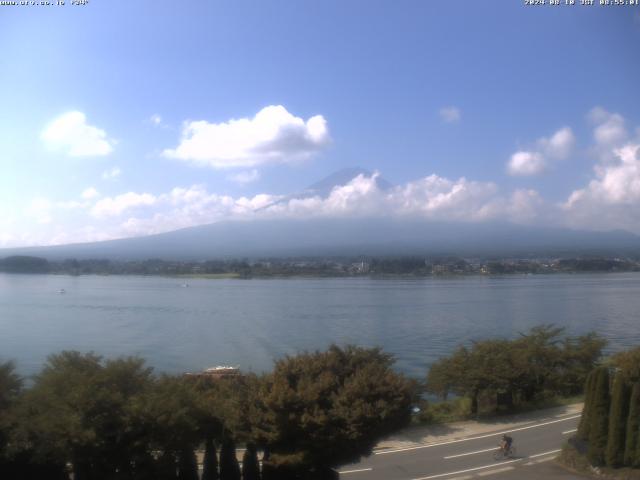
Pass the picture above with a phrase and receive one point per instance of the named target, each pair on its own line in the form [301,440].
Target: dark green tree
[319,410]
[187,465]
[80,412]
[229,467]
[618,414]
[599,418]
[250,465]
[633,428]
[210,462]
[585,419]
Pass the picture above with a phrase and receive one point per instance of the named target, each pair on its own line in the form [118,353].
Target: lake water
[252,322]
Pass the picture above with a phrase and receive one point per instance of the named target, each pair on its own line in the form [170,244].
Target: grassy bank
[459,409]
[571,459]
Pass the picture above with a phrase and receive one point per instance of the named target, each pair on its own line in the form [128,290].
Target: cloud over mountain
[273,135]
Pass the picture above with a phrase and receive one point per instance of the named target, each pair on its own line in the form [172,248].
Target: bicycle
[501,454]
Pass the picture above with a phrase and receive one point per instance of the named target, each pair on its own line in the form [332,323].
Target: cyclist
[506,444]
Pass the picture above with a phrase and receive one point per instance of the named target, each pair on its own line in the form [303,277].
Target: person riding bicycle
[506,443]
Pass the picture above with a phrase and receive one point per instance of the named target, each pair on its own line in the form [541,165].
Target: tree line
[502,374]
[114,419]
[104,419]
[609,430]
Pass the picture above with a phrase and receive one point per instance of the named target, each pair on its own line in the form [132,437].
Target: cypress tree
[268,471]
[599,418]
[250,465]
[210,467]
[617,422]
[166,466]
[187,465]
[229,468]
[633,428]
[583,427]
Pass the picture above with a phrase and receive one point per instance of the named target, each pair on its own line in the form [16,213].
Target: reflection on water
[251,322]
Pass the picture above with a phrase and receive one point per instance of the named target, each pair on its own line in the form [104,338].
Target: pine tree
[210,463]
[229,468]
[617,422]
[268,472]
[633,428]
[166,466]
[250,465]
[187,465]
[599,418]
[583,427]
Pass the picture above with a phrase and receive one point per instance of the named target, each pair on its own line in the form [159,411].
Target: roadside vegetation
[608,437]
[115,419]
[540,368]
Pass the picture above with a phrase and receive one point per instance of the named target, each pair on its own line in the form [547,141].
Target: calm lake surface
[252,322]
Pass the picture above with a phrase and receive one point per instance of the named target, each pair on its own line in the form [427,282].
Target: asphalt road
[536,444]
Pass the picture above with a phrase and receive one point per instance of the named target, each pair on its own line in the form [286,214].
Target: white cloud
[71,134]
[525,163]
[610,128]
[560,144]
[90,193]
[450,114]
[611,200]
[111,174]
[155,119]
[114,206]
[244,178]
[538,160]
[273,136]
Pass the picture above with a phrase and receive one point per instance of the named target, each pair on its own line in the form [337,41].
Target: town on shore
[322,266]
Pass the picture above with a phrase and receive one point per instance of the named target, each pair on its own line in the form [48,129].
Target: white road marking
[355,471]
[493,465]
[493,472]
[471,453]
[542,460]
[570,431]
[494,434]
[466,477]
[543,454]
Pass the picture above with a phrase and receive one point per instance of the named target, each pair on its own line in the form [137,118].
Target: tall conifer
[250,465]
[583,427]
[633,428]
[618,414]
[210,462]
[187,465]
[599,418]
[229,468]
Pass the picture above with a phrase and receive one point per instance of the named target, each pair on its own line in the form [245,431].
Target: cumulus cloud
[90,193]
[244,178]
[536,161]
[114,206]
[612,198]
[609,128]
[71,134]
[273,135]
[450,114]
[111,174]
[525,163]
[155,119]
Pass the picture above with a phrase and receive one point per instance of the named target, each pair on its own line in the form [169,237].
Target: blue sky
[126,118]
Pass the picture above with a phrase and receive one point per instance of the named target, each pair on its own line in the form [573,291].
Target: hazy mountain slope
[347,237]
